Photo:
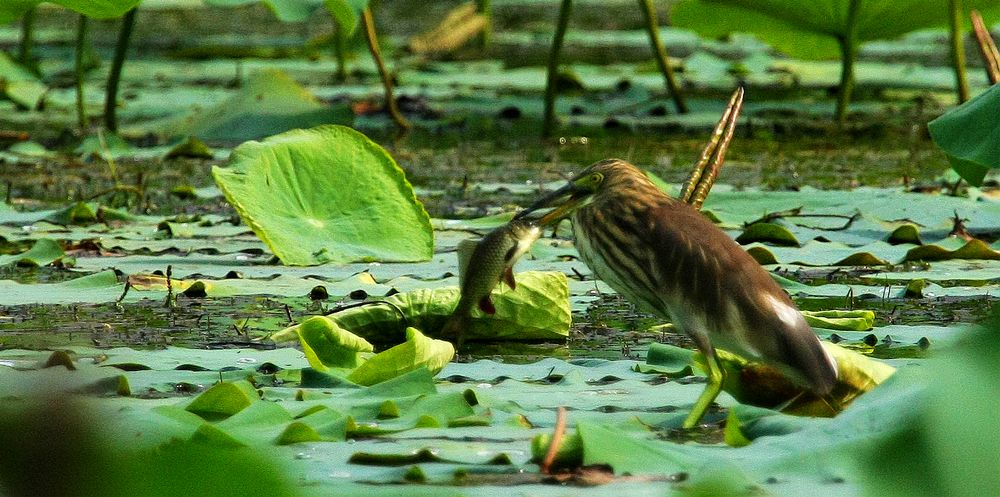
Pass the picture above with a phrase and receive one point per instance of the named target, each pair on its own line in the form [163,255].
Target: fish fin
[508,277]
[511,253]
[486,305]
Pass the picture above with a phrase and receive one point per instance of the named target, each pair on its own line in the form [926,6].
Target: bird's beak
[564,200]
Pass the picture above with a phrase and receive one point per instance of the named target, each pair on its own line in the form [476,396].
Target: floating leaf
[767,233]
[326,194]
[188,146]
[970,135]
[626,454]
[907,233]
[972,249]
[10,10]
[538,309]
[284,10]
[224,400]
[326,344]
[42,253]
[269,102]
[569,454]
[834,319]
[762,385]
[674,362]
[107,146]
[418,351]
[17,83]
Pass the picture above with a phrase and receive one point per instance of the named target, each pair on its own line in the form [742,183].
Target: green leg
[711,391]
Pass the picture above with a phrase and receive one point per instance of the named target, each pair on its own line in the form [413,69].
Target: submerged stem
[485,9]
[661,55]
[114,75]
[340,52]
[25,53]
[958,49]
[390,101]
[848,52]
[552,74]
[81,41]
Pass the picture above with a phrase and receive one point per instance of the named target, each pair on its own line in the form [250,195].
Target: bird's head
[599,180]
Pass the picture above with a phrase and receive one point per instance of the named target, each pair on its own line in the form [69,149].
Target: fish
[482,265]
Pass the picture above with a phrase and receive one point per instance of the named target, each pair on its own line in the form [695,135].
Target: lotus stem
[25,53]
[552,74]
[661,55]
[958,49]
[372,38]
[987,48]
[848,51]
[485,8]
[115,74]
[81,41]
[340,52]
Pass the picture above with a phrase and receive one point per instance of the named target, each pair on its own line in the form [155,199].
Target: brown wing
[740,305]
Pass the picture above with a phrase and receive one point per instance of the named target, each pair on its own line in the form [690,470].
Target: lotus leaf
[224,400]
[810,29]
[346,12]
[284,10]
[418,351]
[326,344]
[834,319]
[970,135]
[268,102]
[42,253]
[326,194]
[537,309]
[18,84]
[98,9]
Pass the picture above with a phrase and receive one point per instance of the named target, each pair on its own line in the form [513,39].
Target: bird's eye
[596,179]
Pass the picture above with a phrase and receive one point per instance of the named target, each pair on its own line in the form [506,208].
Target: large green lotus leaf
[810,29]
[98,9]
[284,10]
[418,351]
[326,194]
[537,310]
[970,135]
[269,102]
[326,344]
[18,84]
